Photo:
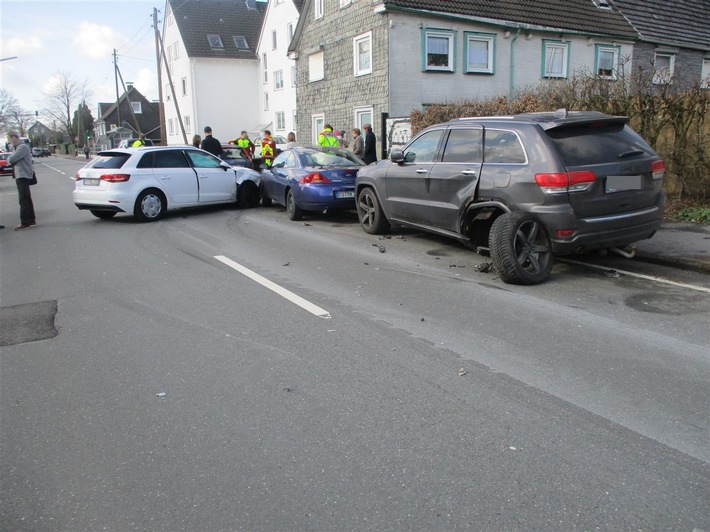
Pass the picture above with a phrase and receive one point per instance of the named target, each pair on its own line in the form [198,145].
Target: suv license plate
[342,194]
[617,183]
[91,181]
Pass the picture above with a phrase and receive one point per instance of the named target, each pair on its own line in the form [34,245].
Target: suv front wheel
[372,218]
[520,249]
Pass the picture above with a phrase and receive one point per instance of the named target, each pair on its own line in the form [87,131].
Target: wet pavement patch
[30,322]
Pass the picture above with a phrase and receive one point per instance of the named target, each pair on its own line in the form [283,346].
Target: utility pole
[161,108]
[172,90]
[115,75]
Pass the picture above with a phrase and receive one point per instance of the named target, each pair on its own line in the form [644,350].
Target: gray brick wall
[340,92]
[688,63]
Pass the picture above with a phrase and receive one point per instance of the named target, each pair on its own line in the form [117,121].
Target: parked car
[5,167]
[46,152]
[311,179]
[150,181]
[524,187]
[40,152]
[278,139]
[128,143]
[236,156]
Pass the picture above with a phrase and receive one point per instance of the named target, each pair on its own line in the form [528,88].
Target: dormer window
[241,42]
[602,4]
[215,42]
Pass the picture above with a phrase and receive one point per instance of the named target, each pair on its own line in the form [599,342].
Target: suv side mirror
[397,155]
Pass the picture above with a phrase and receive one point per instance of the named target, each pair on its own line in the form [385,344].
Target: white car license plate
[617,183]
[342,194]
[91,181]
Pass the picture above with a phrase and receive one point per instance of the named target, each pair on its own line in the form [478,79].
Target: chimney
[129,85]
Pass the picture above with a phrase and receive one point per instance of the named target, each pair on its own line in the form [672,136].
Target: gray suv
[523,187]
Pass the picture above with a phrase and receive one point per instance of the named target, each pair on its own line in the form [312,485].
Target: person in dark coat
[370,155]
[211,144]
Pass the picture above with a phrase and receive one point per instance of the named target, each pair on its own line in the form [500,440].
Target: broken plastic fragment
[161,394]
[462,372]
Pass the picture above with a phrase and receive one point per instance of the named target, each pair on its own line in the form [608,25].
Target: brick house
[360,61]
[131,115]
[673,39]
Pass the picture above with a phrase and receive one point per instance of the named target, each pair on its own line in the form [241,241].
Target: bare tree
[12,116]
[62,98]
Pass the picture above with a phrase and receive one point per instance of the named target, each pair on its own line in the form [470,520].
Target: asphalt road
[157,387]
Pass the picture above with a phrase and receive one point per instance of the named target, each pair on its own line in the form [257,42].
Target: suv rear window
[585,145]
[110,160]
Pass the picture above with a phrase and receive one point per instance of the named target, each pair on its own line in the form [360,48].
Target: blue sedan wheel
[294,211]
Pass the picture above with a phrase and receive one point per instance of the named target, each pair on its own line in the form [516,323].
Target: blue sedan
[311,179]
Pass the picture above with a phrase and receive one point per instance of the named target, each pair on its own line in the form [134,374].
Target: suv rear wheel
[520,249]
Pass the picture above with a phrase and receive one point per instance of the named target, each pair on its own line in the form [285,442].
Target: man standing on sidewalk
[23,172]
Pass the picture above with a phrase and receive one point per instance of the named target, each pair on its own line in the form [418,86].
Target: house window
[136,106]
[438,50]
[319,8]
[241,42]
[280,120]
[168,92]
[344,3]
[295,119]
[294,75]
[266,101]
[556,57]
[317,123]
[274,40]
[183,83]
[176,50]
[171,19]
[705,75]
[479,52]
[607,61]
[362,50]
[278,79]
[663,64]
[362,116]
[186,123]
[315,67]
[170,54]
[266,68]
[289,31]
[171,127]
[215,41]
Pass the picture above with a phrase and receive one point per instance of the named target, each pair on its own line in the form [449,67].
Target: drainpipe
[512,65]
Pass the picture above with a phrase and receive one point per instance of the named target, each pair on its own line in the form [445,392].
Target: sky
[78,38]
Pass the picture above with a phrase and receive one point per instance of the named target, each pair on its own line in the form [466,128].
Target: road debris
[462,372]
[612,273]
[486,267]
[382,249]
[161,394]
[288,263]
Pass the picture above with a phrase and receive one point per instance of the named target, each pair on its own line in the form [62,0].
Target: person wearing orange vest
[268,148]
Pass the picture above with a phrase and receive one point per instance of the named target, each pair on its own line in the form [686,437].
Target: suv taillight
[115,178]
[658,169]
[564,182]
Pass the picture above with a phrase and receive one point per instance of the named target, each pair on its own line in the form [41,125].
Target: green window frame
[555,59]
[474,61]
[603,54]
[438,50]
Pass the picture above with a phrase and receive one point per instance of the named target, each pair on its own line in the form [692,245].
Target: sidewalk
[681,245]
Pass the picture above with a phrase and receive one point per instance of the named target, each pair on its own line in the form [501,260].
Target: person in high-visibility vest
[268,148]
[139,142]
[244,143]
[327,138]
